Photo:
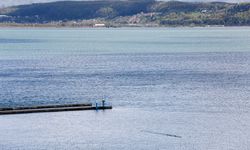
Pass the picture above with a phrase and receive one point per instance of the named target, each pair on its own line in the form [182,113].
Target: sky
[19,2]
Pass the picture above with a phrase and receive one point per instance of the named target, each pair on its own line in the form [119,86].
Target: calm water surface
[189,82]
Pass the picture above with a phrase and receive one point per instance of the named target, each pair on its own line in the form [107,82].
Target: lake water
[190,82]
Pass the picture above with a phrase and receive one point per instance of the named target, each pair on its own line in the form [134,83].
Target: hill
[135,12]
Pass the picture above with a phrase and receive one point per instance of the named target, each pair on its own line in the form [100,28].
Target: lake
[171,88]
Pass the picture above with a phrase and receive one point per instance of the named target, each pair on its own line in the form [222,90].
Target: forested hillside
[172,13]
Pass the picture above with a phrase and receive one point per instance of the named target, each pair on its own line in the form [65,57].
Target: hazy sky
[18,2]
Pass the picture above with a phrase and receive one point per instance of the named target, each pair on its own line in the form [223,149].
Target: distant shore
[115,14]
[3,25]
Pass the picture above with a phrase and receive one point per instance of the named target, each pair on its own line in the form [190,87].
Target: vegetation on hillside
[172,13]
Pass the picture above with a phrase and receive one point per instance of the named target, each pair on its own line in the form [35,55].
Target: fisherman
[103,103]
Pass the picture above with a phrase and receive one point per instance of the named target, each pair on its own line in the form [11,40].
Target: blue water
[130,67]
[187,81]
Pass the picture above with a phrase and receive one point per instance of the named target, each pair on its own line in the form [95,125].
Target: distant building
[99,25]
[204,11]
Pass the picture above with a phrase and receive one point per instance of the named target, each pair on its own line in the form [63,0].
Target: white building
[99,25]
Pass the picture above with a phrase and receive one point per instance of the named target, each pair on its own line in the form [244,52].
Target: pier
[53,108]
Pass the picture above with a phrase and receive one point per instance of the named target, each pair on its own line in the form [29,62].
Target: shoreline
[91,27]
